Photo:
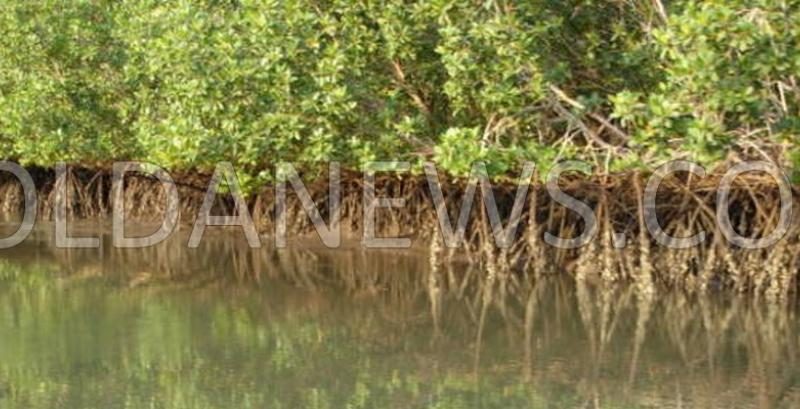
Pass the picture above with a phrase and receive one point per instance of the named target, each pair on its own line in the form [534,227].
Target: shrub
[186,84]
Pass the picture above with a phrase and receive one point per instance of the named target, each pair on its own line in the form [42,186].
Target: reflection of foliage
[31,277]
[96,344]
[90,345]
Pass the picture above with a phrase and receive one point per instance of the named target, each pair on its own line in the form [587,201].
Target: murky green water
[225,326]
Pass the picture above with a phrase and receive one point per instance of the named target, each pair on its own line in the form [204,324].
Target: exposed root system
[622,249]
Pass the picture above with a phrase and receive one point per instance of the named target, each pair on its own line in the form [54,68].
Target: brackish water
[226,326]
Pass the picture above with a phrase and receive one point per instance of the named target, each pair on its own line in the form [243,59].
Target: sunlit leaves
[724,64]
[186,84]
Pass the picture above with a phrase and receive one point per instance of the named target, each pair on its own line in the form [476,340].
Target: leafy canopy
[185,84]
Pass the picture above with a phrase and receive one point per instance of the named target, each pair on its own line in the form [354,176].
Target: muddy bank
[622,250]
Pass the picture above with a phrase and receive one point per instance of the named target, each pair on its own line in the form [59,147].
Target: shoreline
[684,206]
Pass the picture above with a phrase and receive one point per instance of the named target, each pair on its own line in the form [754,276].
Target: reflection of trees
[306,325]
[732,353]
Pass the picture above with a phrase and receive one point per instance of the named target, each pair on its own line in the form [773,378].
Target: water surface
[226,326]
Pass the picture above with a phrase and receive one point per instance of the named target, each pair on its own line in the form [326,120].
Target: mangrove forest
[399,204]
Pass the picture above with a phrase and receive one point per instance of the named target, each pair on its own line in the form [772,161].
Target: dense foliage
[185,84]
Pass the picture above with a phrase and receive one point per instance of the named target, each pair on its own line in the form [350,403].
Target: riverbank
[622,248]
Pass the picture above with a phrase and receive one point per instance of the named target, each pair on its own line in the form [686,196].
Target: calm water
[225,326]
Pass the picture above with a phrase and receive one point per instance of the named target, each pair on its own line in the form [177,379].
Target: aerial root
[622,249]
